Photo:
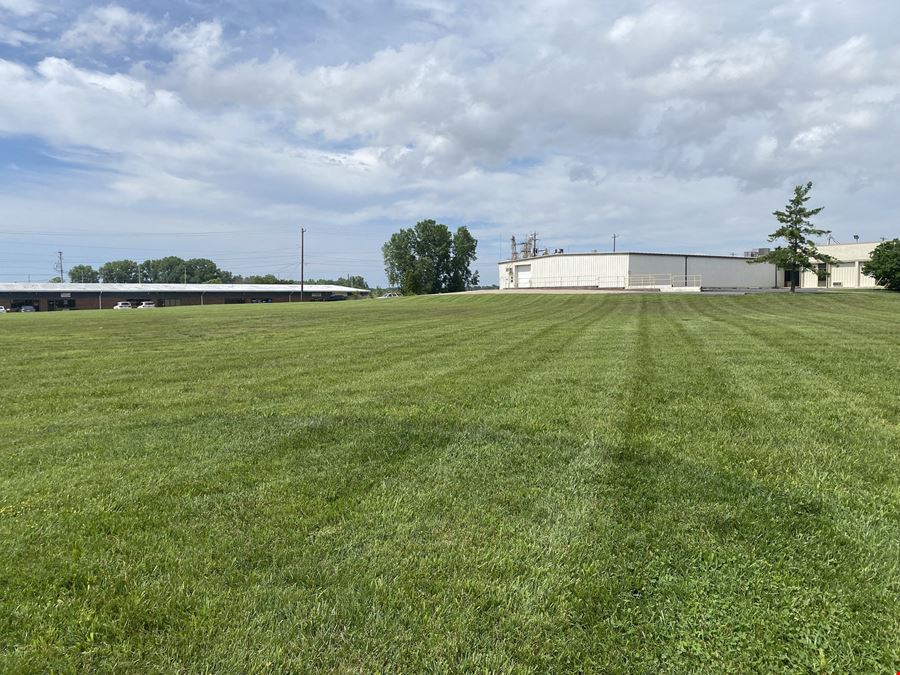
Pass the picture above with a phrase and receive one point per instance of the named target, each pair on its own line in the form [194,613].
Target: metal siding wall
[844,275]
[848,275]
[563,271]
[569,271]
[655,264]
[714,272]
[733,273]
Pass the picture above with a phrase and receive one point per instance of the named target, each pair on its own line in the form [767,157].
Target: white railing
[656,280]
[612,281]
[574,281]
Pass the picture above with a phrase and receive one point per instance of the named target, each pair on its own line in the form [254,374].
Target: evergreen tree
[796,228]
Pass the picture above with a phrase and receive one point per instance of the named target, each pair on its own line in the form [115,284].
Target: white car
[390,295]
[2,309]
[147,304]
[123,305]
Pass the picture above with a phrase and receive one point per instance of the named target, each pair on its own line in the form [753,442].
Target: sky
[219,129]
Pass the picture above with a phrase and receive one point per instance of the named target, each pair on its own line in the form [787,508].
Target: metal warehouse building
[50,297]
[673,272]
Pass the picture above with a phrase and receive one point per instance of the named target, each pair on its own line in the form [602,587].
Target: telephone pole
[302,261]
[615,236]
[59,266]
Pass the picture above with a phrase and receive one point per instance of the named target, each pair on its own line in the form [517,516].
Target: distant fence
[577,281]
[655,280]
[614,281]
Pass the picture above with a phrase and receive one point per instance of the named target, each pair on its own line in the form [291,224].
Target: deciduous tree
[83,274]
[427,258]
[203,270]
[168,270]
[885,264]
[119,272]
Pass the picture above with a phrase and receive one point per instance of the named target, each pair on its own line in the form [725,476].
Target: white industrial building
[664,271]
[676,272]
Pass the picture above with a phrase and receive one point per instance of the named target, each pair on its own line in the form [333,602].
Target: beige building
[845,274]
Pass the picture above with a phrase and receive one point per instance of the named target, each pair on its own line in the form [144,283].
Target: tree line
[175,270]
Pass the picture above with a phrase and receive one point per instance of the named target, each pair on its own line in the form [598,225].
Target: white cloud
[801,12]
[813,141]
[738,66]
[15,38]
[765,149]
[562,117]
[110,28]
[20,7]
[197,44]
[853,61]
[662,28]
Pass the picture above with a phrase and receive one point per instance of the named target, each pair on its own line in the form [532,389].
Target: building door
[523,276]
[61,304]
[822,274]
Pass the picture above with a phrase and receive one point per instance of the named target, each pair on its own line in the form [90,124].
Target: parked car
[147,304]
[390,295]
[2,309]
[27,308]
[336,296]
[123,305]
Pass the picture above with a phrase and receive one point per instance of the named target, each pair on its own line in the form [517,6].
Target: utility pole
[302,282]
[59,266]
[615,236]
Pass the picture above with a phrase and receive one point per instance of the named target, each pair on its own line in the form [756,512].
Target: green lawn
[528,483]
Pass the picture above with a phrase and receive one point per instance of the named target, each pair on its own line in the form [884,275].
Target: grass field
[527,483]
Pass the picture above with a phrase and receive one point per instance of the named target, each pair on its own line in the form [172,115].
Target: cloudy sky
[217,129]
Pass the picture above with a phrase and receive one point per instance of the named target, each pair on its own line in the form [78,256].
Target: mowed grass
[495,483]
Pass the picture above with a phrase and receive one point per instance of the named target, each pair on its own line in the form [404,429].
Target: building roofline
[176,288]
[606,253]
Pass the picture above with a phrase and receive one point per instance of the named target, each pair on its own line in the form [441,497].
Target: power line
[129,233]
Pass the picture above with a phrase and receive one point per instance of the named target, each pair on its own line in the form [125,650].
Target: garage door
[523,276]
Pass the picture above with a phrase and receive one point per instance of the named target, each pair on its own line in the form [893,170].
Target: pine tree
[796,228]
